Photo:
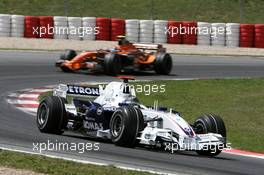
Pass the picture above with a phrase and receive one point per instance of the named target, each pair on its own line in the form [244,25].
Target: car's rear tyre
[51,115]
[163,64]
[112,64]
[125,125]
[210,123]
[68,54]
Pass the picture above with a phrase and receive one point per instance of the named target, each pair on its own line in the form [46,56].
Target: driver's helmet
[122,40]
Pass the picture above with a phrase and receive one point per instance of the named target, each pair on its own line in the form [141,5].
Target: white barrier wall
[60,23]
[232,34]
[74,23]
[146,31]
[218,34]
[17,26]
[204,33]
[89,23]
[132,30]
[5,25]
[160,28]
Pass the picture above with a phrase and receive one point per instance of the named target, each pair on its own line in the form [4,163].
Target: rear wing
[64,90]
[157,47]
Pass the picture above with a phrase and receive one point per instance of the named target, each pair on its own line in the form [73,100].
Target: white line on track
[28,109]
[13,94]
[29,95]
[21,102]
[91,162]
[40,90]
[245,154]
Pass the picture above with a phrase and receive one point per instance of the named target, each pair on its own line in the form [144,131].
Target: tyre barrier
[146,31]
[74,25]
[46,27]
[17,26]
[89,27]
[218,34]
[204,33]
[60,27]
[232,34]
[104,28]
[31,27]
[189,30]
[117,28]
[160,28]
[5,25]
[132,30]
[259,35]
[246,38]
[174,35]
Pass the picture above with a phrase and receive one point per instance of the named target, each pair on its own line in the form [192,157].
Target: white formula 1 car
[115,113]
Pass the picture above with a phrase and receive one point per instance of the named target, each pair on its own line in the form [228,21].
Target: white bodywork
[172,127]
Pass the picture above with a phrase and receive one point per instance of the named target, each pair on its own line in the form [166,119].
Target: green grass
[54,166]
[199,10]
[238,101]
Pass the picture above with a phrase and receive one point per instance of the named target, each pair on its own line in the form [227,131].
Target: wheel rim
[200,128]
[117,125]
[43,114]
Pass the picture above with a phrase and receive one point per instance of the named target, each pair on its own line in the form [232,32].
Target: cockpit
[116,94]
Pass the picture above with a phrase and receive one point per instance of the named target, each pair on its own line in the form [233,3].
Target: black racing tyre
[163,64]
[68,54]
[125,125]
[141,119]
[65,69]
[112,64]
[51,115]
[210,123]
[142,125]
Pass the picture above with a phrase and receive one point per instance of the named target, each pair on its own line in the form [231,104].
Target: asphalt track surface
[18,130]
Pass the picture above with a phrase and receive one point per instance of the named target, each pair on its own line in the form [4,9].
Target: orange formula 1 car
[125,56]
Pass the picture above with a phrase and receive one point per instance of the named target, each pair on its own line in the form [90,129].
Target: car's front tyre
[51,115]
[125,125]
[210,123]
[68,54]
